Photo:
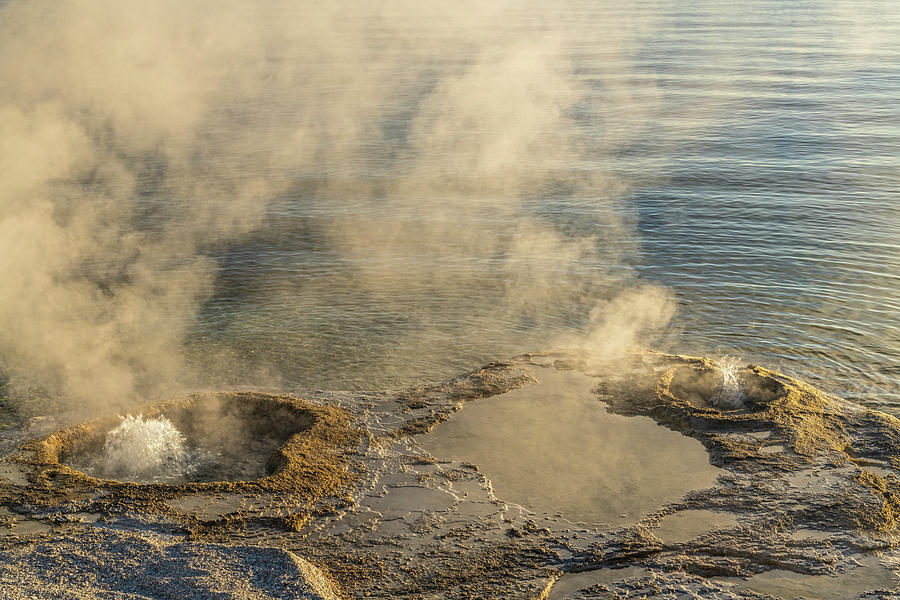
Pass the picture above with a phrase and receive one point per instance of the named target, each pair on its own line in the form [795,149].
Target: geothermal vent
[723,386]
[203,438]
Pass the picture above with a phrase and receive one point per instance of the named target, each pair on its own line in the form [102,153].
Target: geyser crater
[204,438]
[723,386]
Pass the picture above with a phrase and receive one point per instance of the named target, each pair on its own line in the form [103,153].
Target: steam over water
[419,194]
[760,160]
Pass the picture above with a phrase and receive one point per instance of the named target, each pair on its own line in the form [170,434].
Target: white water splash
[144,449]
[729,394]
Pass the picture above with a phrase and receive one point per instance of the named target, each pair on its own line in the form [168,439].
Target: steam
[633,317]
[137,140]
[119,173]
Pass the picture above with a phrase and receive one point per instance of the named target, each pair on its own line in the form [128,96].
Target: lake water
[743,156]
[760,159]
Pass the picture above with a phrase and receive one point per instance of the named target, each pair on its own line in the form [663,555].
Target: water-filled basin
[555,448]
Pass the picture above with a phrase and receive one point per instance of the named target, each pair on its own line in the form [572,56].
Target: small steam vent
[205,438]
[723,385]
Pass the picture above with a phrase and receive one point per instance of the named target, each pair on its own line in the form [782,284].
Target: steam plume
[139,139]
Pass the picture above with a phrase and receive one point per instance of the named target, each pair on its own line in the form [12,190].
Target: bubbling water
[729,393]
[144,449]
[206,437]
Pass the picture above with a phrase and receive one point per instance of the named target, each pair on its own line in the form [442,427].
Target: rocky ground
[807,505]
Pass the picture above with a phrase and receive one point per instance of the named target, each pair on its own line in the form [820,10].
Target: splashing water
[729,394]
[144,449]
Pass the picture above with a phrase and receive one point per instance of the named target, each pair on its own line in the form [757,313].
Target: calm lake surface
[759,149]
[743,156]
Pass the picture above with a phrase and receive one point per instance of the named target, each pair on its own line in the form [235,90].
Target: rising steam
[138,139]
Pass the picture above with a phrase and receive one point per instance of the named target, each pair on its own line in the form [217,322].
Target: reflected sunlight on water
[758,150]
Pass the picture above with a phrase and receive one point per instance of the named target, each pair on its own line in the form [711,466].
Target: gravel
[108,564]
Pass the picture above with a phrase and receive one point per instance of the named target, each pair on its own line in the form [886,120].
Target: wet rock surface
[807,497]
